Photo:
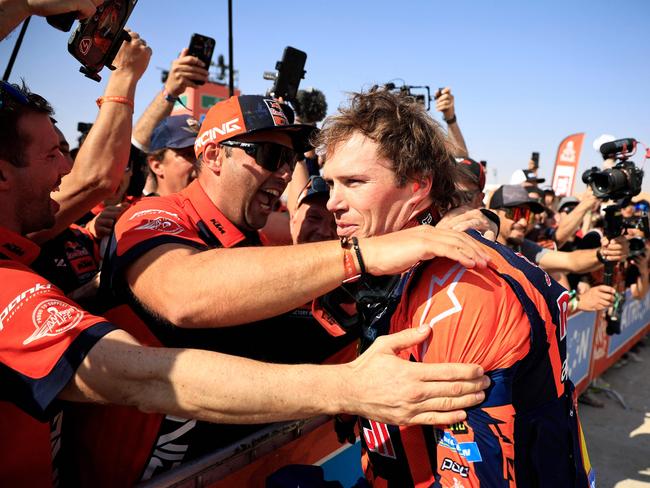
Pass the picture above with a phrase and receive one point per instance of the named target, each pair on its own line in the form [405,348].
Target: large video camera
[623,180]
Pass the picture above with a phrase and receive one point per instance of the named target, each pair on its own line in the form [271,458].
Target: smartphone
[202,47]
[535,158]
[290,71]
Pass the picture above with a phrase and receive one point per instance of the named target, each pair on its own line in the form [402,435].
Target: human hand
[387,388]
[52,7]
[616,249]
[445,102]
[588,200]
[133,56]
[102,225]
[596,298]
[464,218]
[641,261]
[183,72]
[396,252]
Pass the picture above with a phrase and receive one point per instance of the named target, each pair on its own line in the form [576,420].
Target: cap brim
[300,134]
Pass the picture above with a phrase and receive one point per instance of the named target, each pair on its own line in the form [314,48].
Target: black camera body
[98,38]
[622,181]
[288,73]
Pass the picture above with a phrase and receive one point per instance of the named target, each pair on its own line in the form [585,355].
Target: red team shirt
[144,445]
[44,336]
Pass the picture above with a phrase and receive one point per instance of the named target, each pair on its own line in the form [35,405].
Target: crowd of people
[172,284]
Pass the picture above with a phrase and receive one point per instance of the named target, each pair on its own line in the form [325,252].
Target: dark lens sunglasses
[269,156]
[518,213]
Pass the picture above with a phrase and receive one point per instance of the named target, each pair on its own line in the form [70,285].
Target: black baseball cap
[514,196]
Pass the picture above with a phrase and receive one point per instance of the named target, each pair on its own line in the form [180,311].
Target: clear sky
[525,73]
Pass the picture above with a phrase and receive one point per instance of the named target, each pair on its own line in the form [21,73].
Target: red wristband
[351,273]
[124,100]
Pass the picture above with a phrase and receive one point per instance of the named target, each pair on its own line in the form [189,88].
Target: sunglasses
[269,156]
[518,213]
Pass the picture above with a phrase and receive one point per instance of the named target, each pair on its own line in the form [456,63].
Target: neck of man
[423,213]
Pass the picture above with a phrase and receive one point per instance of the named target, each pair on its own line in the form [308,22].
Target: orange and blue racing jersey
[510,318]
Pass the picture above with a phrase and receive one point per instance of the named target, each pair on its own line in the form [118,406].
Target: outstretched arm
[274,280]
[199,384]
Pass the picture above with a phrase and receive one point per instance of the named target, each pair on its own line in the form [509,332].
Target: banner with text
[566,164]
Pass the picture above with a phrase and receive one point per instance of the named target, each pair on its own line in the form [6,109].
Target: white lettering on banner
[211,134]
[53,317]
[38,289]
[569,153]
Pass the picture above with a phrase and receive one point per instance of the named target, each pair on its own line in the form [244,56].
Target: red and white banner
[566,164]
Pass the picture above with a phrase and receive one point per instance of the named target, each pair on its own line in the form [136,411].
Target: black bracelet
[600,257]
[357,250]
[451,121]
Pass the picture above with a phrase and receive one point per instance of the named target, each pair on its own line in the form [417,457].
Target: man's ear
[155,165]
[213,156]
[420,188]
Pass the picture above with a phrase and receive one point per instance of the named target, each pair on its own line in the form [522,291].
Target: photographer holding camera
[13,12]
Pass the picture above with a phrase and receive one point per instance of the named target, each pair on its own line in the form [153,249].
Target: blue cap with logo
[174,132]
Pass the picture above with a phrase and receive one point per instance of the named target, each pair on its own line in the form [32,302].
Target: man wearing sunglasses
[516,211]
[184,268]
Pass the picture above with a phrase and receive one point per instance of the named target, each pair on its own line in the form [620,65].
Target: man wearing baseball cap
[516,209]
[310,220]
[183,269]
[171,156]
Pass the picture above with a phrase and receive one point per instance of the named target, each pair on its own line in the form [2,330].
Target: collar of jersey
[430,216]
[224,230]
[17,247]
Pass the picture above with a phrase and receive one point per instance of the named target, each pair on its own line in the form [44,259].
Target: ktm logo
[211,134]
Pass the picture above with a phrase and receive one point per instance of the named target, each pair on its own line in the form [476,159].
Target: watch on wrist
[451,120]
[169,97]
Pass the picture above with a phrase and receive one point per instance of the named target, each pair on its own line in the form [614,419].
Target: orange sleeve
[474,314]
